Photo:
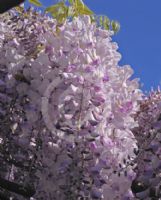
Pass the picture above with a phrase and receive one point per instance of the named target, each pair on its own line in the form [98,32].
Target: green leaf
[54,8]
[101,21]
[115,26]
[58,11]
[19,9]
[84,10]
[81,8]
[70,1]
[35,2]
[93,18]
[70,11]
[77,3]
[106,23]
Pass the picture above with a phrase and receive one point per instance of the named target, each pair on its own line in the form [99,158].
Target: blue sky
[139,39]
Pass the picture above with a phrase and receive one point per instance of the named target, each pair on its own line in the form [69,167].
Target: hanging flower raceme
[74,107]
[147,182]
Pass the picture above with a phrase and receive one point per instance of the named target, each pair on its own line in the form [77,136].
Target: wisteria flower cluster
[147,183]
[68,110]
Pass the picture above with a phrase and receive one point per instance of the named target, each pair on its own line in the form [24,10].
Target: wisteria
[72,119]
[147,182]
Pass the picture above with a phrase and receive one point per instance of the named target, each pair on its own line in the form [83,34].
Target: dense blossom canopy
[149,141]
[68,109]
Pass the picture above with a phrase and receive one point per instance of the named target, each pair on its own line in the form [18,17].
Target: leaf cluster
[68,9]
